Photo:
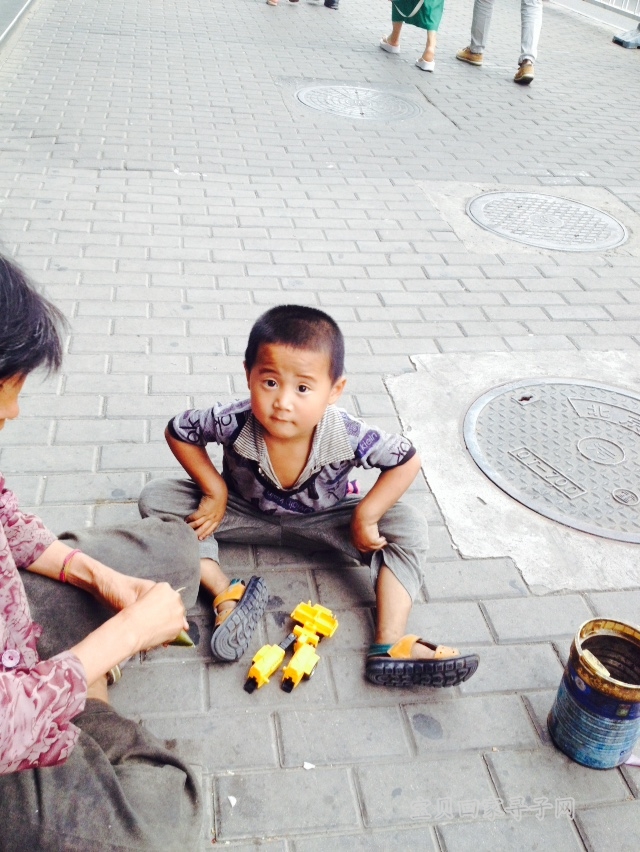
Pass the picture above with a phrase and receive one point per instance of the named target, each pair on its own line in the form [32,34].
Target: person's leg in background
[530,27]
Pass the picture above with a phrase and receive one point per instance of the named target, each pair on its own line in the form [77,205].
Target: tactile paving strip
[568,449]
[546,221]
[359,103]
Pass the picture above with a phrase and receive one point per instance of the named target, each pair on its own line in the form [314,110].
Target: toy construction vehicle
[314,622]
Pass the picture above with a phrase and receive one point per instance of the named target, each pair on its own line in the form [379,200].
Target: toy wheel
[311,673]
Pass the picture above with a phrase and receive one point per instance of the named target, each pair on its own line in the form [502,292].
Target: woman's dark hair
[30,326]
[301,328]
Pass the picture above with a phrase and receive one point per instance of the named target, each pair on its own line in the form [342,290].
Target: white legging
[531,24]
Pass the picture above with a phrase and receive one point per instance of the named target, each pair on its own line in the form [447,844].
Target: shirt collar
[330,445]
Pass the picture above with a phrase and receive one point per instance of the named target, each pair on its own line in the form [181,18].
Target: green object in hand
[183,639]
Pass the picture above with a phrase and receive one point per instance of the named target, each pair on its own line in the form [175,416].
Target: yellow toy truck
[314,623]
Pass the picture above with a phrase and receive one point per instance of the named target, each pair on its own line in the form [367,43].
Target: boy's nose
[283,400]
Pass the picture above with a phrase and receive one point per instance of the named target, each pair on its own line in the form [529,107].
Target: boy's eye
[271,383]
[303,388]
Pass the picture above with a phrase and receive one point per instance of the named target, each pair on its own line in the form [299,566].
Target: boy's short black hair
[30,326]
[301,328]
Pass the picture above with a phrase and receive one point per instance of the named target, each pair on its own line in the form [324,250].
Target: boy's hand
[207,517]
[365,534]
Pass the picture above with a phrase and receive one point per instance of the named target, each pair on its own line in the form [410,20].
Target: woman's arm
[38,705]
[108,586]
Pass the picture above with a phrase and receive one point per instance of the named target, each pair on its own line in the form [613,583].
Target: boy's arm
[389,488]
[196,462]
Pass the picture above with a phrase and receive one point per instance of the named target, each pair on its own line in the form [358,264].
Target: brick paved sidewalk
[159,177]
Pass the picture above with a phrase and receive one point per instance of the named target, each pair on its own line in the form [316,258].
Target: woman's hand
[208,515]
[157,616]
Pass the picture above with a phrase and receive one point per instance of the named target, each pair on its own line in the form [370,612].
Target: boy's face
[290,390]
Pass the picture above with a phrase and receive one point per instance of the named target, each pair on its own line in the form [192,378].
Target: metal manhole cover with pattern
[546,221]
[359,103]
[567,449]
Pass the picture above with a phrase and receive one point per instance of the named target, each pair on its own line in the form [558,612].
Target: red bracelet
[65,562]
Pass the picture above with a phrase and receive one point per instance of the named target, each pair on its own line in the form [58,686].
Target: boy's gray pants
[404,528]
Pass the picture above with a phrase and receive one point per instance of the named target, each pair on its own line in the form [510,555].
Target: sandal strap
[403,647]
[234,591]
[378,650]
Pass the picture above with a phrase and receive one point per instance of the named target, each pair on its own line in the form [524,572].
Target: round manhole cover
[568,449]
[546,221]
[356,102]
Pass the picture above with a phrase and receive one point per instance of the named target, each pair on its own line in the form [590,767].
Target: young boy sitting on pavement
[288,451]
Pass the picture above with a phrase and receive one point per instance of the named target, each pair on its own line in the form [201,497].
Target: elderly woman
[75,775]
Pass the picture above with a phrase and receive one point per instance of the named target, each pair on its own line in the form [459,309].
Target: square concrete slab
[342,736]
[611,827]
[371,841]
[525,835]
[473,579]
[429,791]
[274,804]
[622,605]
[484,521]
[533,618]
[548,773]
[471,723]
[507,668]
[220,739]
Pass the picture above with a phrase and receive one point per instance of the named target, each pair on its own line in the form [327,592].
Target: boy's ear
[336,390]
[246,371]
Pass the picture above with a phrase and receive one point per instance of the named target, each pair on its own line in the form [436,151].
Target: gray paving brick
[45,459]
[171,684]
[473,579]
[375,841]
[274,803]
[341,736]
[506,668]
[471,344]
[505,835]
[551,342]
[98,431]
[474,723]
[398,792]
[550,774]
[29,432]
[611,827]
[623,605]
[92,487]
[455,622]
[533,618]
[215,740]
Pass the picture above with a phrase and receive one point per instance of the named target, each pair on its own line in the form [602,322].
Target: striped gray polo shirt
[340,443]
